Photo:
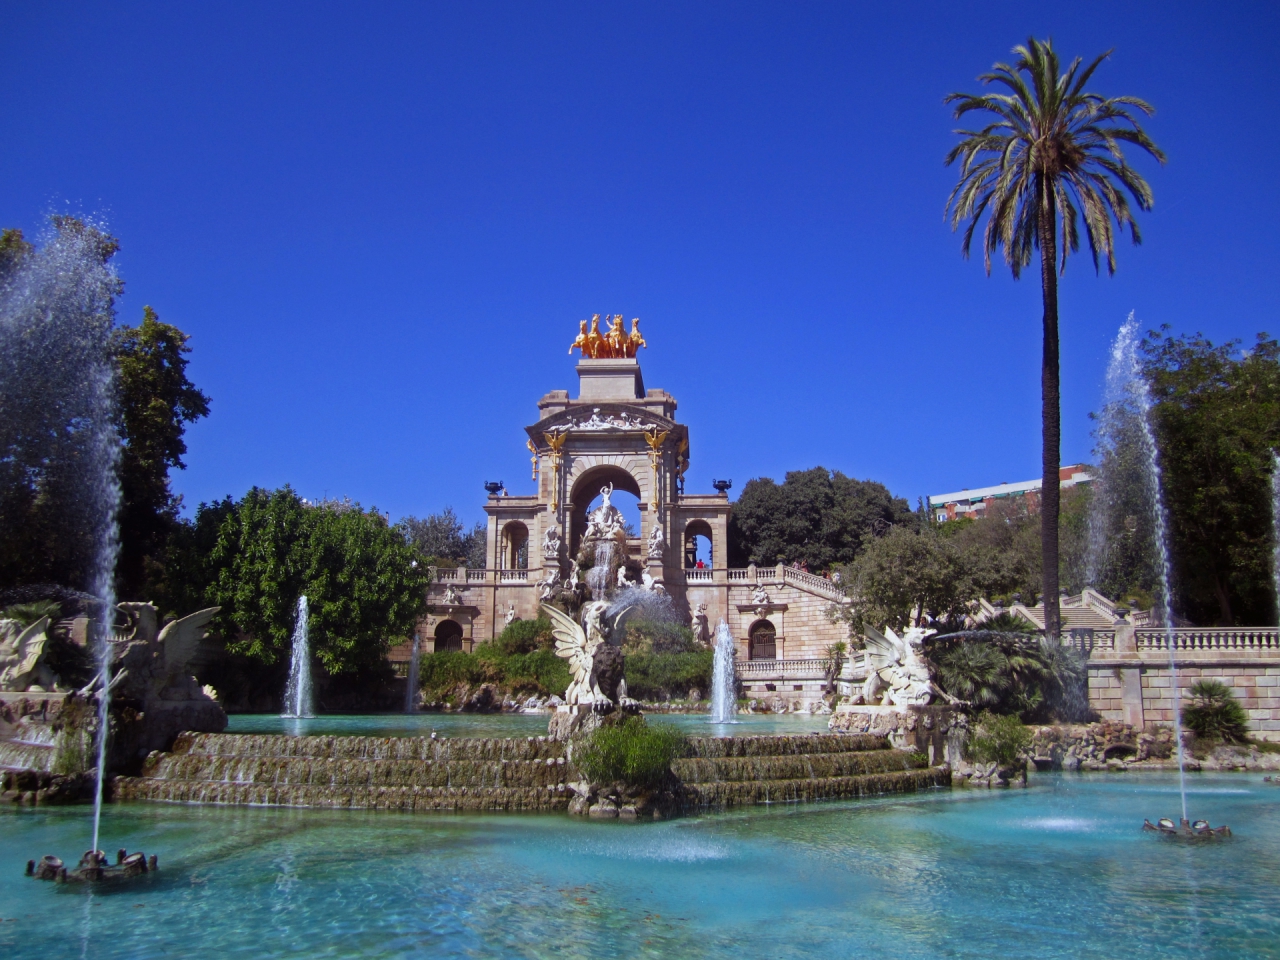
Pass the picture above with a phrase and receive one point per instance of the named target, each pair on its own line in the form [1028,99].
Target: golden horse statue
[614,343]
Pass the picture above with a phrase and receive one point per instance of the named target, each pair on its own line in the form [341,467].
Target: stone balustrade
[1213,639]
[806,669]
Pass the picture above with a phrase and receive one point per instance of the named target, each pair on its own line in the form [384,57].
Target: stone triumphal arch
[616,432]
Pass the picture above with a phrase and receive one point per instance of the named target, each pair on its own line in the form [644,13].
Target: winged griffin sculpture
[898,675]
[580,645]
[152,667]
[21,652]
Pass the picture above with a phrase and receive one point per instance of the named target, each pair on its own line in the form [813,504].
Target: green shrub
[630,752]
[652,676]
[29,613]
[540,672]
[1214,714]
[655,636]
[997,738]
[523,636]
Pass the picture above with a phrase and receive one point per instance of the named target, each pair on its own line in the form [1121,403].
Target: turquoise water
[500,724]
[1058,870]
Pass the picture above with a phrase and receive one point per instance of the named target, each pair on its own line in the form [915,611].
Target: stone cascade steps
[21,755]
[725,772]
[410,773]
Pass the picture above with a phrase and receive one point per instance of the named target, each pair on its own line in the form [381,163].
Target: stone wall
[1130,680]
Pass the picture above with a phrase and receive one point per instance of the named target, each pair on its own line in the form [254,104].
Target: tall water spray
[598,575]
[1275,527]
[724,678]
[297,692]
[1129,394]
[411,689]
[58,436]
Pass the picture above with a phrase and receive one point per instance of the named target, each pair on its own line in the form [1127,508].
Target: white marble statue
[551,544]
[698,623]
[511,614]
[547,585]
[579,645]
[571,579]
[899,676]
[21,653]
[451,595]
[605,522]
[623,582]
[657,542]
[760,596]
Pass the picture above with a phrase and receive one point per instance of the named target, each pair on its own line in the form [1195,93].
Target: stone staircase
[410,773]
[734,771]
[529,774]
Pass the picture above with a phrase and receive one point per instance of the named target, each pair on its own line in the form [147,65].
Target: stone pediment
[602,418]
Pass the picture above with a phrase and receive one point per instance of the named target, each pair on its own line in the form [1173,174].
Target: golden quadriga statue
[614,343]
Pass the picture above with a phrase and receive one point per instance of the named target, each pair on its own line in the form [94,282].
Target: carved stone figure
[511,614]
[21,653]
[899,676]
[551,544]
[571,580]
[623,582]
[699,623]
[760,596]
[451,595]
[151,667]
[606,521]
[593,664]
[657,542]
[547,585]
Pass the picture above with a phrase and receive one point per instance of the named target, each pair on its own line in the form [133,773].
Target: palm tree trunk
[1050,414]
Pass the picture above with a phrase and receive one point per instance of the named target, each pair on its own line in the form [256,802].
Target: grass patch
[630,752]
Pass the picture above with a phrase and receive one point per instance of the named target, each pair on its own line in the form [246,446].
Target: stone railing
[449,574]
[694,575]
[1212,639]
[814,669]
[740,574]
[513,576]
[816,584]
[1089,639]
[476,576]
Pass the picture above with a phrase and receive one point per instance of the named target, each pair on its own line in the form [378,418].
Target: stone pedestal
[939,732]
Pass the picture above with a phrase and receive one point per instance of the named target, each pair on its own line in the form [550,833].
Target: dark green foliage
[657,676]
[1011,673]
[997,738]
[815,517]
[1215,714]
[156,402]
[538,672]
[630,752]
[440,538]
[1217,419]
[906,573]
[29,613]
[657,636]
[256,556]
[523,636]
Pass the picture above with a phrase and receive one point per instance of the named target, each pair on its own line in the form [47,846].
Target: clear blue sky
[380,223]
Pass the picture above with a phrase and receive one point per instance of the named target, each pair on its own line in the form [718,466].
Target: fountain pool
[1057,870]
[502,724]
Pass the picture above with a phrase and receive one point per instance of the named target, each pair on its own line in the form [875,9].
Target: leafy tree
[816,517]
[156,402]
[14,250]
[1050,155]
[1216,418]
[364,584]
[905,577]
[440,537]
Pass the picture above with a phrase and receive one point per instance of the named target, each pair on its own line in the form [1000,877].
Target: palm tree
[1052,152]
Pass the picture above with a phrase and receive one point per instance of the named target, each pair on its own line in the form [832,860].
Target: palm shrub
[630,752]
[1215,714]
[1001,739]
[974,672]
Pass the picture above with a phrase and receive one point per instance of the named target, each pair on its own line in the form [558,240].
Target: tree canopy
[442,539]
[365,584]
[1216,417]
[816,517]
[156,401]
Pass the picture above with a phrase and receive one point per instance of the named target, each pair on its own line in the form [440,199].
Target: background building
[973,503]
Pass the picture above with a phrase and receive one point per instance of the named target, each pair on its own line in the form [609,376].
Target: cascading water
[297,692]
[1275,527]
[58,433]
[411,687]
[724,678]
[598,575]
[1128,393]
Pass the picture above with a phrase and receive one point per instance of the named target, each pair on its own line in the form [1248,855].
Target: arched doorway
[763,641]
[586,491]
[448,636]
[515,546]
[697,544]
